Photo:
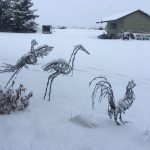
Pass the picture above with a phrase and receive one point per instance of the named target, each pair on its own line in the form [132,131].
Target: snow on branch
[14,100]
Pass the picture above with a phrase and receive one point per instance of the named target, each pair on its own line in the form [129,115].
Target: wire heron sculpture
[27,59]
[114,109]
[61,66]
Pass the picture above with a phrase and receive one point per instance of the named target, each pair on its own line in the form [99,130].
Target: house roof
[121,15]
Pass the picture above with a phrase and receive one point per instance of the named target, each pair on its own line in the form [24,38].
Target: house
[135,22]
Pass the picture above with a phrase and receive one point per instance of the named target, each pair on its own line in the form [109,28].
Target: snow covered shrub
[14,100]
[106,36]
[103,36]
[106,91]
[100,28]
[62,27]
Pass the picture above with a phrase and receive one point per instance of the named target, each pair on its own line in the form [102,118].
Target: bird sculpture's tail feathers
[105,91]
[8,68]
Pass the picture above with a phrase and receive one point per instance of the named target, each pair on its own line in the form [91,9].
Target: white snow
[67,122]
[118,15]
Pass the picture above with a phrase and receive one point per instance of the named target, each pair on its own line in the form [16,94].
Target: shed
[47,29]
[135,21]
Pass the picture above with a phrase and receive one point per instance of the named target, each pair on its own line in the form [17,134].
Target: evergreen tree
[24,17]
[5,15]
[17,16]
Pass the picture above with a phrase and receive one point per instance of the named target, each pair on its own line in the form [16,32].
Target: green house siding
[119,25]
[135,22]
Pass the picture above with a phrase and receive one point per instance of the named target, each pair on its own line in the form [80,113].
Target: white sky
[83,12]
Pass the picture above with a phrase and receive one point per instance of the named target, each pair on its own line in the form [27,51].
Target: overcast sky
[83,12]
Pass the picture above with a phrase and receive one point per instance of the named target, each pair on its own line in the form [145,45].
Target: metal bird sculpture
[27,59]
[61,66]
[114,108]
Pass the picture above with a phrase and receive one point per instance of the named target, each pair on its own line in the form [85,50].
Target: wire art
[61,66]
[27,59]
[114,109]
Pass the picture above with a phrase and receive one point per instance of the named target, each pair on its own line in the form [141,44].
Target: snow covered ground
[67,122]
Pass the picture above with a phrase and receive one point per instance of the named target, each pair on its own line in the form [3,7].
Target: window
[113,26]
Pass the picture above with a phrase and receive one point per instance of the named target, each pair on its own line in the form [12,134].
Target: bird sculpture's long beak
[86,51]
[80,47]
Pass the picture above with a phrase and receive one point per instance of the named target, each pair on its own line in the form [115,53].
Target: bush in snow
[106,36]
[62,27]
[114,109]
[14,100]
[103,36]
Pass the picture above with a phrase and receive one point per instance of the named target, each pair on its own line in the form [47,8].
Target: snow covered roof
[120,15]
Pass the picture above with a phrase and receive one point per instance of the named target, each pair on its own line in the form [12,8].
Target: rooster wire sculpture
[114,109]
[60,66]
[27,59]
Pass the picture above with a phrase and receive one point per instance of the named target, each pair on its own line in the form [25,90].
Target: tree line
[17,16]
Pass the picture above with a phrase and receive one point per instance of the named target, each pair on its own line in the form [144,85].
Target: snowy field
[67,122]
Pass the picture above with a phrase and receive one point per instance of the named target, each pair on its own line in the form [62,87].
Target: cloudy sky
[84,12]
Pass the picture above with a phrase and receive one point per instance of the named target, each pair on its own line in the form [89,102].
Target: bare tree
[61,66]
[114,109]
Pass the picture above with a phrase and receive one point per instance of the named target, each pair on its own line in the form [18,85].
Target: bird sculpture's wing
[55,65]
[43,50]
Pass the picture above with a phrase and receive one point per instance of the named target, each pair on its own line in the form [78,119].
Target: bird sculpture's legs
[15,73]
[51,77]
[120,117]
[47,85]
[50,86]
[123,122]
[115,117]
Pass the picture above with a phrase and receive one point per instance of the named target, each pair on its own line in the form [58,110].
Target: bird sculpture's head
[34,42]
[131,84]
[80,47]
